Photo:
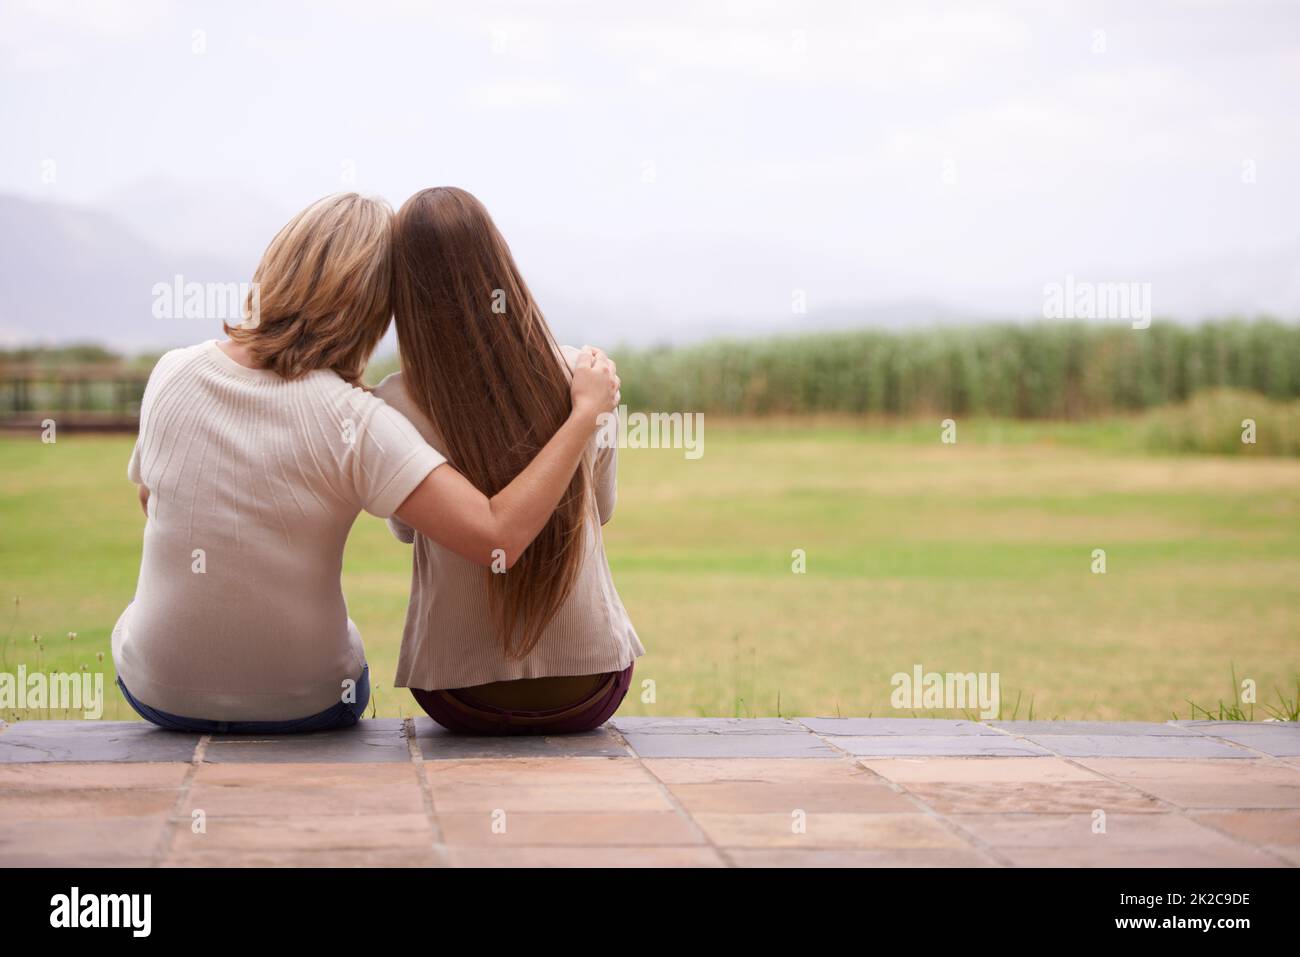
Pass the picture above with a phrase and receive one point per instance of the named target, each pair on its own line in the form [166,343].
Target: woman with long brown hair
[538,643]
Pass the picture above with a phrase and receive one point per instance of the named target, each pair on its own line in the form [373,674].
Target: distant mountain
[87,274]
[1264,283]
[1267,281]
[222,219]
[71,273]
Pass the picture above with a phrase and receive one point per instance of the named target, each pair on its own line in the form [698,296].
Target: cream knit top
[449,641]
[254,482]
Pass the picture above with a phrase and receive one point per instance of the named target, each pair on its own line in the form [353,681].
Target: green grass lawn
[966,558]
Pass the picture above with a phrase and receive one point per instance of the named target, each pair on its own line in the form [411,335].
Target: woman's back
[451,640]
[254,481]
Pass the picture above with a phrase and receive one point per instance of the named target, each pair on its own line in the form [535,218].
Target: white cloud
[514,94]
[108,18]
[793,143]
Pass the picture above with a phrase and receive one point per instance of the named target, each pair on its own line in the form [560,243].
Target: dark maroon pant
[457,710]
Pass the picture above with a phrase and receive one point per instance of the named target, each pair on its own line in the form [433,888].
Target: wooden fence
[103,397]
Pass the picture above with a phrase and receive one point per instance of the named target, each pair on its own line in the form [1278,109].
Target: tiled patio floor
[706,792]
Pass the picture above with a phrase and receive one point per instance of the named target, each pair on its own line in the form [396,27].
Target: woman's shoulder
[174,361]
[391,388]
[183,354]
[392,391]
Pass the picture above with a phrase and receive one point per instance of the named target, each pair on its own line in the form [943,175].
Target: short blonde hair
[322,294]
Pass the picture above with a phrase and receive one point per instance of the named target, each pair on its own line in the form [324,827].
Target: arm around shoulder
[447,508]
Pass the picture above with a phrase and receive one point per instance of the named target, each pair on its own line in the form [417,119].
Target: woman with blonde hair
[545,647]
[255,456]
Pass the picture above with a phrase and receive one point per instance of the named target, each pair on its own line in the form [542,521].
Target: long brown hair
[481,363]
[323,290]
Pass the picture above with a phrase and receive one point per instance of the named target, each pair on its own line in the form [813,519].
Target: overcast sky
[673,162]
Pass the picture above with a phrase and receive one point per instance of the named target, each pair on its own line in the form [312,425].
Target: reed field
[1055,370]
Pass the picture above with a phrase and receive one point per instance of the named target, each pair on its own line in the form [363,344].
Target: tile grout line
[1074,759]
[1170,806]
[676,805]
[1181,811]
[974,840]
[1237,744]
[163,847]
[426,790]
[1264,849]
[1196,732]
[953,827]
[1177,809]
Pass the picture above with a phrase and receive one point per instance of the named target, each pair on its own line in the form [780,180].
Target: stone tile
[1108,855]
[118,741]
[978,770]
[1280,744]
[1033,798]
[755,785]
[583,801]
[86,803]
[828,830]
[935,745]
[908,727]
[570,829]
[754,770]
[80,842]
[894,857]
[1263,826]
[438,744]
[67,776]
[476,855]
[381,725]
[301,832]
[367,726]
[254,790]
[1075,830]
[1279,739]
[256,857]
[728,726]
[544,785]
[366,743]
[739,797]
[1133,746]
[1248,783]
[1128,728]
[306,775]
[548,798]
[560,772]
[748,745]
[1288,852]
[1194,795]
[1255,771]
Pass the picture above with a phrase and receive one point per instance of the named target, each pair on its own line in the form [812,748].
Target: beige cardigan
[449,641]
